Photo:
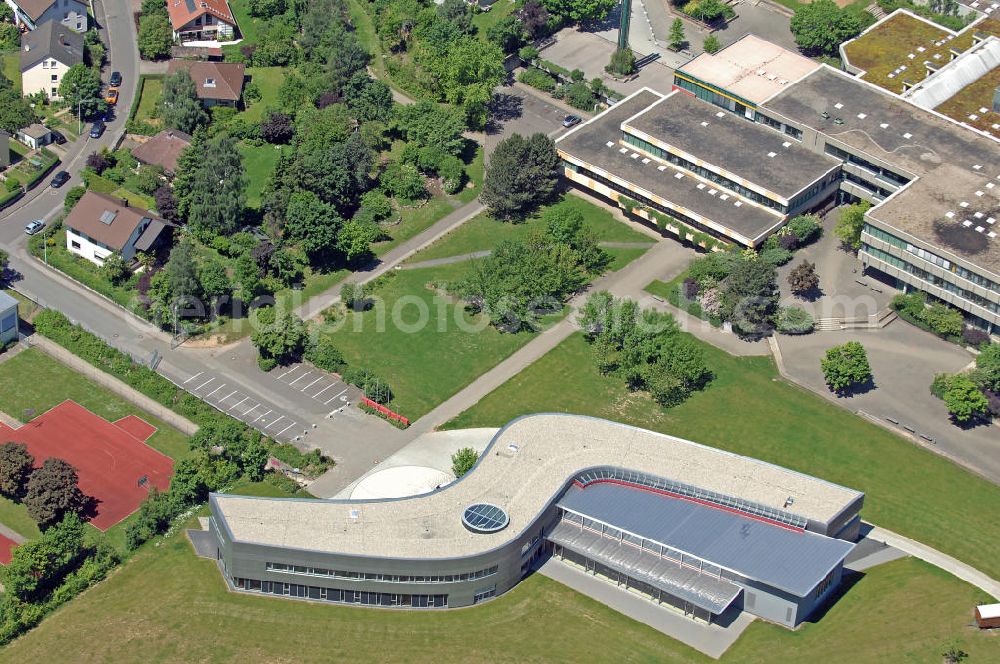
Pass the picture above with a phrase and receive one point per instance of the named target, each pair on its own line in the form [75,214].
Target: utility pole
[623,23]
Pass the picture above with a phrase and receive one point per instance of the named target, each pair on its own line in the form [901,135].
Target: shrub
[964,399]
[975,337]
[537,78]
[622,62]
[579,95]
[374,387]
[846,366]
[794,320]
[377,204]
[806,227]
[463,460]
[452,174]
[266,363]
[325,355]
[940,384]
[776,256]
[910,305]
[355,296]
[690,288]
[528,53]
[944,320]
[711,44]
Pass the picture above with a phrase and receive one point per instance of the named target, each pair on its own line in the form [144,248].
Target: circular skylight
[484,518]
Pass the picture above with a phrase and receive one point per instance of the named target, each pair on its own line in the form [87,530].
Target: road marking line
[193,377]
[226,398]
[311,384]
[308,373]
[273,422]
[252,408]
[316,396]
[265,414]
[233,407]
[335,396]
[292,370]
[215,390]
[285,429]
[204,384]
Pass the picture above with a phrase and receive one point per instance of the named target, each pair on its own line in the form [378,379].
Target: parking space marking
[316,396]
[308,373]
[233,407]
[215,390]
[280,417]
[292,370]
[335,396]
[264,415]
[312,383]
[226,398]
[252,408]
[204,384]
[285,429]
[193,377]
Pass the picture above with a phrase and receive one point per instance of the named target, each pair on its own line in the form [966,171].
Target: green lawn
[268,80]
[10,65]
[259,161]
[484,232]
[247,24]
[486,20]
[15,516]
[749,410]
[43,382]
[474,169]
[429,363]
[901,611]
[149,101]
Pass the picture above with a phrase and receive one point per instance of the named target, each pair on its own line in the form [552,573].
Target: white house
[8,319]
[35,135]
[201,20]
[100,225]
[33,13]
[47,53]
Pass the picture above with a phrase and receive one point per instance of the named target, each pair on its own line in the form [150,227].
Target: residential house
[100,225]
[47,53]
[33,13]
[35,136]
[8,319]
[217,83]
[163,150]
[201,20]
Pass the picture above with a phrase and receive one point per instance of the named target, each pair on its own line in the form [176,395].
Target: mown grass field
[750,410]
[259,161]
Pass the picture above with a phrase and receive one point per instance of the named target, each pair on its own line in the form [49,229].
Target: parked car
[57,137]
[111,96]
[34,227]
[571,120]
[97,129]
[61,178]
[116,79]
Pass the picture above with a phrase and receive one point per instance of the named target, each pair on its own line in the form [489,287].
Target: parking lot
[318,385]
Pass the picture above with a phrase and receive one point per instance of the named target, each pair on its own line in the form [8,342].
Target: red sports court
[112,459]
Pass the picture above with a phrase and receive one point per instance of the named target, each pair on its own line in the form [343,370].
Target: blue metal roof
[6,301]
[790,560]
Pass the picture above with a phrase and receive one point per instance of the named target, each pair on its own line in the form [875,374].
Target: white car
[34,227]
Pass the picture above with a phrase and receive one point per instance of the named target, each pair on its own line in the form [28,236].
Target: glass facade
[703,92]
[703,172]
[884,174]
[341,596]
[384,578]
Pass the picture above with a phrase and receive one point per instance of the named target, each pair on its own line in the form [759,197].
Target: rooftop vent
[825,115]
[512,447]
[838,121]
[996,100]
[108,216]
[209,82]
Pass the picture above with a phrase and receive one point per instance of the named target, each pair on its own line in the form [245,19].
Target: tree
[182,275]
[4,257]
[580,11]
[794,320]
[15,111]
[622,64]
[16,464]
[355,239]
[467,74]
[213,279]
[368,99]
[850,224]
[115,269]
[711,44]
[277,128]
[403,181]
[80,88]
[821,26]
[38,567]
[953,653]
[254,459]
[522,173]
[709,10]
[535,18]
[53,491]
[846,366]
[266,8]
[750,296]
[463,460]
[458,13]
[676,38]
[803,278]
[507,33]
[166,204]
[155,36]
[311,223]
[179,105]
[964,399]
[218,190]
[431,125]
[988,368]
[278,334]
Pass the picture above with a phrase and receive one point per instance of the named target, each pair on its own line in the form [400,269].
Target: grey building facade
[705,552]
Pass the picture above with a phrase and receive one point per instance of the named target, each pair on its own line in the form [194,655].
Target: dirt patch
[211,341]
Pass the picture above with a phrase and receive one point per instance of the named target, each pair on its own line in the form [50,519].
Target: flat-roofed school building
[708,532]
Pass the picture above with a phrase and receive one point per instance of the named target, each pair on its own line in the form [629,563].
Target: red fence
[385,411]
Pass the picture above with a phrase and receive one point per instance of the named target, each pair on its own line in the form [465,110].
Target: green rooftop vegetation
[966,106]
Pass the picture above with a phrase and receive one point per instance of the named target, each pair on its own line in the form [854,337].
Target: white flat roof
[751,68]
[522,471]
[987,611]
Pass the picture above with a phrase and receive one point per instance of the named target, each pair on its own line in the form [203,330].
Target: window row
[777,125]
[883,173]
[341,596]
[385,578]
[876,192]
[703,172]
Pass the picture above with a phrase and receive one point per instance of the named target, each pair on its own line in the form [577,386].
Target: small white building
[33,13]
[47,53]
[100,225]
[35,136]
[8,319]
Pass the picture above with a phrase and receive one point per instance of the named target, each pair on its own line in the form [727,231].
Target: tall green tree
[80,88]
[964,398]
[522,173]
[155,36]
[988,367]
[52,492]
[467,73]
[182,274]
[217,198]
[676,38]
[311,223]
[580,11]
[188,166]
[15,111]
[16,464]
[464,459]
[850,224]
[179,106]
[846,366]
[278,334]
[37,567]
[432,125]
[750,296]
[820,27]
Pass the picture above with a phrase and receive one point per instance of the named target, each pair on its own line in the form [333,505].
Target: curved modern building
[706,531]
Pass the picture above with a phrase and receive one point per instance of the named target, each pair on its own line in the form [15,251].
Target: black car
[116,79]
[61,178]
[97,129]
[58,138]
